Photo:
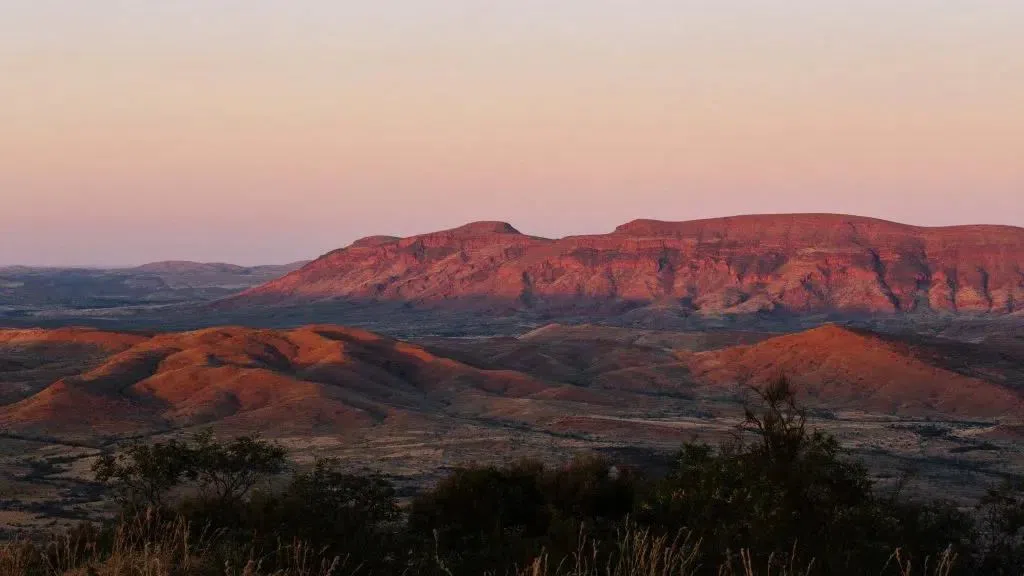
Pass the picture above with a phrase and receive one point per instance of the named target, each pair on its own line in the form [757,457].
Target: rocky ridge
[796,263]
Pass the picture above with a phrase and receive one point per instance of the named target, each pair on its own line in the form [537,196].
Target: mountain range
[791,263]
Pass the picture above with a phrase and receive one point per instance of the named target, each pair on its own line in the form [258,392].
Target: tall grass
[145,546]
[640,553]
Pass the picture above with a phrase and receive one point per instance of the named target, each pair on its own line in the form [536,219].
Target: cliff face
[798,262]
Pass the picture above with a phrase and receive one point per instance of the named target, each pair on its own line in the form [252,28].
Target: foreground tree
[353,516]
[1001,512]
[142,475]
[789,493]
[227,472]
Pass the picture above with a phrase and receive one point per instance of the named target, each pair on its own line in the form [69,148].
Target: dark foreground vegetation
[781,499]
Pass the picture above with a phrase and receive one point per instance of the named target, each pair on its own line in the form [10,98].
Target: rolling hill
[842,368]
[333,380]
[832,366]
[317,378]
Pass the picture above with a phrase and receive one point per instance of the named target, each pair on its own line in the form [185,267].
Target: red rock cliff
[794,262]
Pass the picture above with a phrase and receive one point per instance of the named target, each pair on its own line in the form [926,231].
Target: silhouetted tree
[226,472]
[142,474]
[789,491]
[1001,512]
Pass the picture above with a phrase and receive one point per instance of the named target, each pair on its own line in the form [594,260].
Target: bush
[779,498]
[482,517]
[227,472]
[485,518]
[790,495]
[345,515]
[142,475]
[1001,513]
[339,515]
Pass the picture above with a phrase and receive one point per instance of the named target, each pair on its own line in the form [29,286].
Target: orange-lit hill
[314,378]
[30,360]
[844,368]
[107,341]
[337,381]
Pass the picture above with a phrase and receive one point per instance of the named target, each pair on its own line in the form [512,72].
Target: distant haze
[263,131]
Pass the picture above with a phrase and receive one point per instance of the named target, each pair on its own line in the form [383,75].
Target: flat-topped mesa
[798,263]
[810,226]
[798,225]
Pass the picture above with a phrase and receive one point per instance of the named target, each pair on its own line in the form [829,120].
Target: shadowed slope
[605,357]
[32,359]
[835,367]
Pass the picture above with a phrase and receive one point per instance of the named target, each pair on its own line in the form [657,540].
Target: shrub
[484,518]
[791,495]
[143,474]
[779,497]
[351,516]
[1001,513]
[227,472]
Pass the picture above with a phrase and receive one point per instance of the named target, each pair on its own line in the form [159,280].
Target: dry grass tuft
[145,547]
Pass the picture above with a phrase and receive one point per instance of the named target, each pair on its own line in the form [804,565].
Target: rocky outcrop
[799,263]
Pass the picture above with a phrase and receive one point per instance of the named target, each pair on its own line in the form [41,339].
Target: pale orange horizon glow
[261,132]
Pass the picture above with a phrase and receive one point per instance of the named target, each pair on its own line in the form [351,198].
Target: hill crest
[315,377]
[860,369]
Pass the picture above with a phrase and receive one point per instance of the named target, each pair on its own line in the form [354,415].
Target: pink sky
[260,131]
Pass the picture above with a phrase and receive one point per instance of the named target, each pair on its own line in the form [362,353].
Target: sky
[264,131]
